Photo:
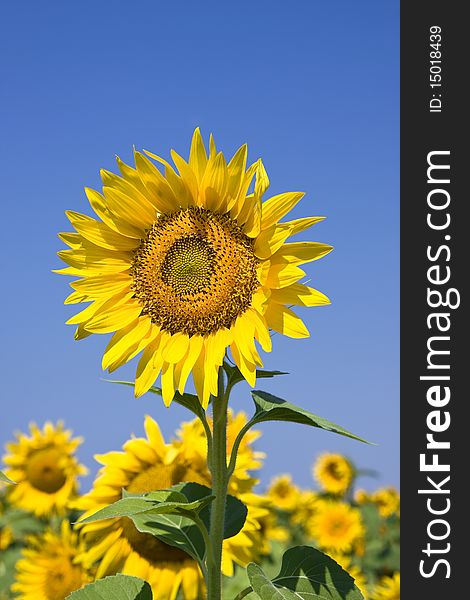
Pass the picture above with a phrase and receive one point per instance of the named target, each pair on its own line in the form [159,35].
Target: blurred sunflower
[48,569]
[146,464]
[336,525]
[183,265]
[388,588]
[305,508]
[284,493]
[334,473]
[387,501]
[45,469]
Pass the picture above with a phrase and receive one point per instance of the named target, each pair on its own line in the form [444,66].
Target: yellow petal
[95,259]
[283,274]
[276,207]
[187,174]
[149,367]
[271,239]
[262,179]
[236,169]
[100,205]
[111,318]
[76,297]
[247,369]
[99,233]
[176,347]
[177,184]
[132,176]
[128,353]
[197,155]
[193,352]
[168,384]
[299,225]
[297,253]
[138,212]
[154,434]
[161,193]
[261,329]
[284,321]
[102,285]
[300,295]
[124,339]
[73,240]
[213,187]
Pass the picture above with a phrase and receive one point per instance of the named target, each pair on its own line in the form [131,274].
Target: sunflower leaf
[172,501]
[307,574]
[272,408]
[234,374]
[180,531]
[5,479]
[189,401]
[117,587]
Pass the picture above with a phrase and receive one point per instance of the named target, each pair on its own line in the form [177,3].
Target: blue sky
[313,87]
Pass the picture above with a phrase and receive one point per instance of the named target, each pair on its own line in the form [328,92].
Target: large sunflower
[48,569]
[45,469]
[144,465]
[184,264]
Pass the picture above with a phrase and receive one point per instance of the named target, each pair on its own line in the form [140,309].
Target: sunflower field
[46,555]
[192,271]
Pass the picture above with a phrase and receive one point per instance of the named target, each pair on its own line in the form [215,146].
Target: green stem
[218,467]
[244,593]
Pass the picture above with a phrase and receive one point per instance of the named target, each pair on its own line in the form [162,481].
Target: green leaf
[189,401]
[116,587]
[4,478]
[234,374]
[271,408]
[306,574]
[8,560]
[20,522]
[172,501]
[180,531]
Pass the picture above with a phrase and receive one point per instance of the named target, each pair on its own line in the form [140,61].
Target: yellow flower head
[45,469]
[48,569]
[387,501]
[388,588]
[283,493]
[184,264]
[334,473]
[144,465]
[362,496]
[336,525]
[305,508]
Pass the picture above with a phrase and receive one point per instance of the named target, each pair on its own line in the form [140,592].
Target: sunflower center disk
[43,471]
[195,272]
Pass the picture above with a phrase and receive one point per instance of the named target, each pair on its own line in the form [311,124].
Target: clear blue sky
[313,88]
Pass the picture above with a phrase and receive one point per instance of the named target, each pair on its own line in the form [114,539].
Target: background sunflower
[45,469]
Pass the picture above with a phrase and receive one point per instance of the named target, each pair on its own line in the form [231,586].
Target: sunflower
[336,525]
[387,501]
[305,508]
[45,469]
[334,473]
[144,465]
[388,588]
[183,265]
[284,493]
[48,569]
